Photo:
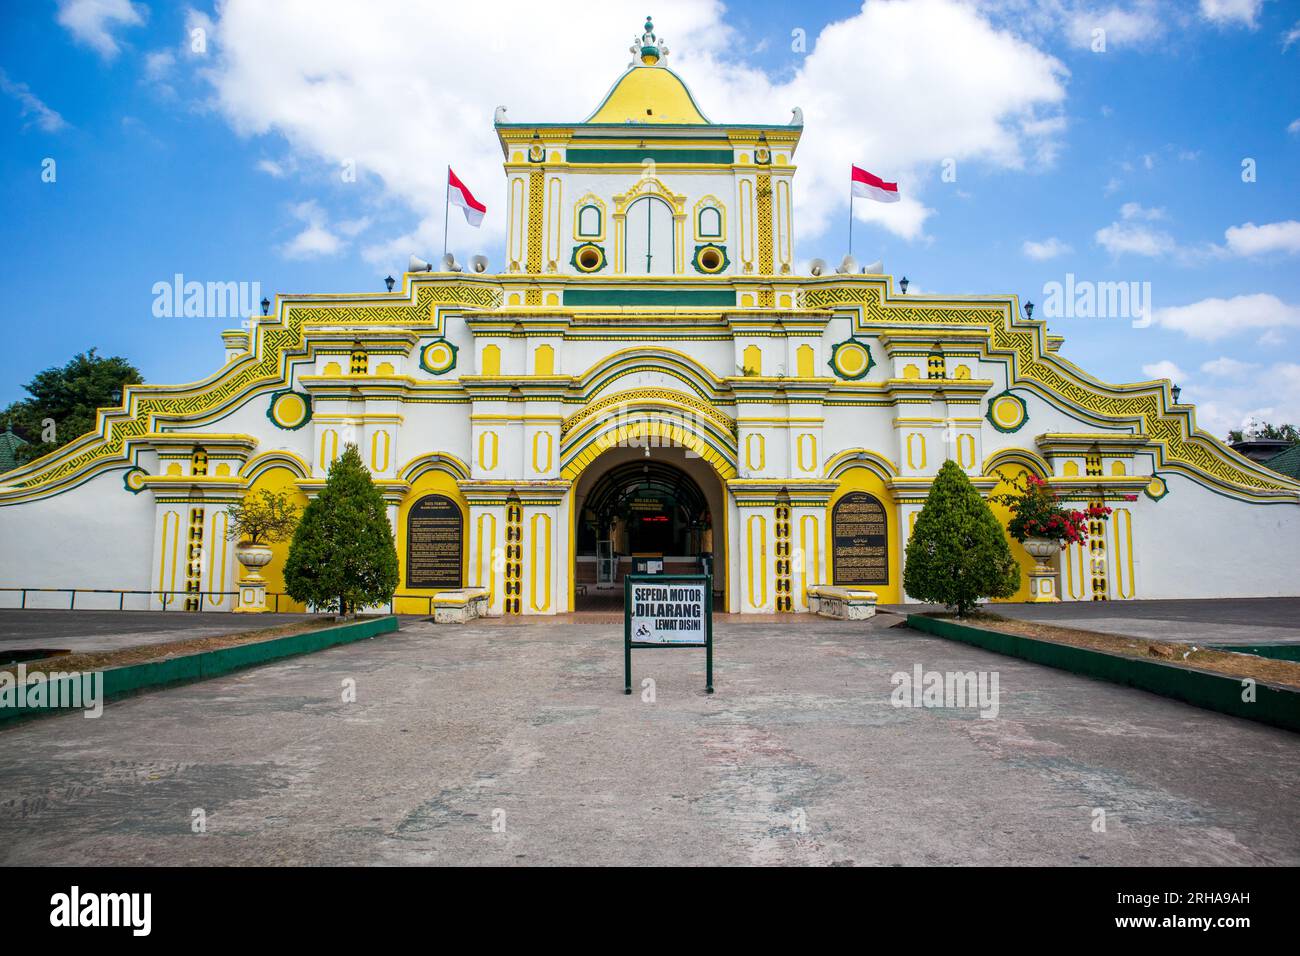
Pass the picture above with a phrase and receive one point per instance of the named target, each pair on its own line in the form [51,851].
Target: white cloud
[92,22]
[1135,233]
[1212,319]
[32,105]
[1225,367]
[1135,27]
[1048,248]
[158,64]
[1253,240]
[316,238]
[1238,12]
[1132,236]
[271,168]
[1273,396]
[344,81]
[1293,127]
[1291,36]
[1132,210]
[1271,339]
[1164,369]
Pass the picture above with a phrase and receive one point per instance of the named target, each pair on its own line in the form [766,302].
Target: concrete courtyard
[510,742]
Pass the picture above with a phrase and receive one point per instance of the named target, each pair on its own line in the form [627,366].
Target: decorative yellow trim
[765,235]
[487,440]
[810,547]
[171,523]
[911,454]
[330,437]
[750,445]
[1122,523]
[217,568]
[784,221]
[966,450]
[1146,406]
[806,361]
[279,340]
[439,461]
[544,360]
[1016,456]
[518,222]
[756,570]
[883,467]
[710,202]
[486,557]
[809,464]
[534,564]
[376,464]
[536,210]
[554,215]
[746,213]
[645,425]
[589,199]
[540,466]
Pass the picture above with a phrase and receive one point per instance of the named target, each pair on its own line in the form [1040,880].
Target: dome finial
[648,46]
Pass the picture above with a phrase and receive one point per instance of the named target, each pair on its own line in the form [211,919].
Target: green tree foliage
[1258,430]
[958,552]
[343,556]
[64,400]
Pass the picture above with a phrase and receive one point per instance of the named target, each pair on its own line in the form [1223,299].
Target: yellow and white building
[649,376]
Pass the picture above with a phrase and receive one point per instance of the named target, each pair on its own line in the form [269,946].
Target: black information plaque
[860,531]
[435,543]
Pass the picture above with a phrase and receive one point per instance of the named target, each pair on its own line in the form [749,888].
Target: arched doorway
[637,512]
[651,242]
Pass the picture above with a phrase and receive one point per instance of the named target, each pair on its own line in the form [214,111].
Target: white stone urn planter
[1042,579]
[252,589]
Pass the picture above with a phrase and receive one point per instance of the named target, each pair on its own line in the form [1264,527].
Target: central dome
[649,92]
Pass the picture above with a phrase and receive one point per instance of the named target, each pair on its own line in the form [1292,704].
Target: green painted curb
[1274,705]
[205,664]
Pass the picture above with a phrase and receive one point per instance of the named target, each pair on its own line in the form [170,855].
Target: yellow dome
[649,94]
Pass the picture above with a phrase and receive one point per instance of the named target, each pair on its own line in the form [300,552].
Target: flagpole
[446,197]
[850,209]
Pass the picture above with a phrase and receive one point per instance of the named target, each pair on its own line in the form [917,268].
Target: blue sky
[224,159]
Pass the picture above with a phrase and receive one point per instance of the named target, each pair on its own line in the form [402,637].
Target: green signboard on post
[667,610]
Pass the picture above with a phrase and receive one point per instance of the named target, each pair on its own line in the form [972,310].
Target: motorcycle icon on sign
[642,631]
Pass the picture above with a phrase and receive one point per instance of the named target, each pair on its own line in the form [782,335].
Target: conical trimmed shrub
[958,552]
[343,556]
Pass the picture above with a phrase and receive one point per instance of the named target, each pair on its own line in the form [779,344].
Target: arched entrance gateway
[645,509]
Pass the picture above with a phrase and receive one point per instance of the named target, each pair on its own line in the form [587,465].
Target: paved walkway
[113,630]
[798,758]
[1218,621]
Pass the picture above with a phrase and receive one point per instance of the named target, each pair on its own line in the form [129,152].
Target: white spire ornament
[650,48]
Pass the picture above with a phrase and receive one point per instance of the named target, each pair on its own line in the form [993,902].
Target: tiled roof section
[9,444]
[1286,463]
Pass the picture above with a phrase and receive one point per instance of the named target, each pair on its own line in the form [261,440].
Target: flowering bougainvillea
[1036,512]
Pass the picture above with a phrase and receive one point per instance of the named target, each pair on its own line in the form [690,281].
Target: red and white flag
[459,195]
[867,186]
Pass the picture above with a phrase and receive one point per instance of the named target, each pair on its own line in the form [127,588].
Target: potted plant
[257,522]
[1043,526]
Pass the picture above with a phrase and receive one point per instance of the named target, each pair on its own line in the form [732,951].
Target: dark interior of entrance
[640,516]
